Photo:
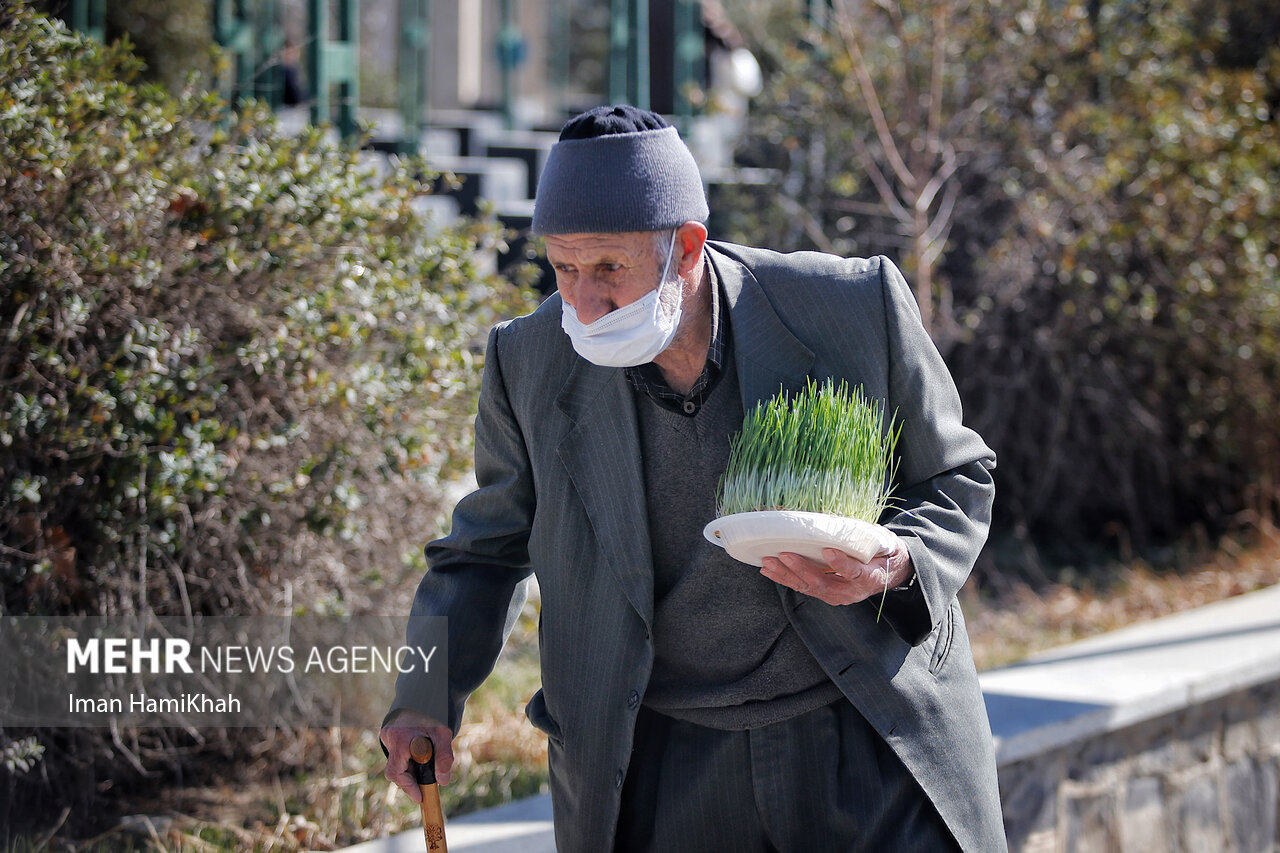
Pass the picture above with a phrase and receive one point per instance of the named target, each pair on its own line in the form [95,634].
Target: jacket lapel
[768,357]
[602,454]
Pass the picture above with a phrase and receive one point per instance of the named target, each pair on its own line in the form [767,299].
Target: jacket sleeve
[944,487]
[478,573]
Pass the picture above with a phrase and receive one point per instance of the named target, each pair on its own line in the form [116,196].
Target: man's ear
[690,238]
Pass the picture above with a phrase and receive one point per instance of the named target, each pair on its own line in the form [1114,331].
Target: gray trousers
[822,781]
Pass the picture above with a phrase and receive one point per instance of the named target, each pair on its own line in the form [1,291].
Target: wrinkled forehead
[594,248]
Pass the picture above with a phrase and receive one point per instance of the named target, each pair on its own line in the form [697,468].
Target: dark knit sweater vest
[725,655]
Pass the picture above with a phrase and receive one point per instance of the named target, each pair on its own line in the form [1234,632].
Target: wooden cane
[422,751]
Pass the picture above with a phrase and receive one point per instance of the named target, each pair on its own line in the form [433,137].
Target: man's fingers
[444,759]
[776,569]
[803,575]
[841,579]
[405,781]
[397,771]
[442,743]
[843,565]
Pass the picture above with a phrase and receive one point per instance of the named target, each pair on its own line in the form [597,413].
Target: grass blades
[825,450]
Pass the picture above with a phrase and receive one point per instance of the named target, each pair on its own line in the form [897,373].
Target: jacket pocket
[942,647]
[537,713]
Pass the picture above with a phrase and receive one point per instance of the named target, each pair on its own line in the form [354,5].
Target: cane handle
[422,751]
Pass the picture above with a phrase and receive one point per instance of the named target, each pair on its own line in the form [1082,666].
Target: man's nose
[592,304]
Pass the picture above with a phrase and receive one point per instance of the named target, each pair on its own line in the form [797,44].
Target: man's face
[598,273]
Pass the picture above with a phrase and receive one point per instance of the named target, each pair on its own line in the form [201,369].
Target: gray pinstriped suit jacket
[559,472]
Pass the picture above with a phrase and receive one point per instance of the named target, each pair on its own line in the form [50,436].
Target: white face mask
[633,334]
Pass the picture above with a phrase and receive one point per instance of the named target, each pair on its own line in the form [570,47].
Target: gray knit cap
[644,180]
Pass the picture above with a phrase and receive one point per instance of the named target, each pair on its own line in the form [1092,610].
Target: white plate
[752,536]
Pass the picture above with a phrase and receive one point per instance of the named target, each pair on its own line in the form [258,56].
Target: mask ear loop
[671,253]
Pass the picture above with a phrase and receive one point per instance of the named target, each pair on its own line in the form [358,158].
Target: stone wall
[1204,778]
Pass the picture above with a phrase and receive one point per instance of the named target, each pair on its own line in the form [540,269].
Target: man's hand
[841,579]
[396,736]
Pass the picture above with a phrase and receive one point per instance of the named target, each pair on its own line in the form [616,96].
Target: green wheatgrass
[824,450]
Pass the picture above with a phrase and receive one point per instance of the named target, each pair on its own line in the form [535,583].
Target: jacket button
[621,776]
[633,699]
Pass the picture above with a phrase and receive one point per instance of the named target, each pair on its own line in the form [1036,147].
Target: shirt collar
[647,378]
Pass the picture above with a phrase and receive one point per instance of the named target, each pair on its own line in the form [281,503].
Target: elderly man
[693,703]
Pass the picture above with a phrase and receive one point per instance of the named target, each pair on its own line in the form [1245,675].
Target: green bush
[235,366]
[1127,365]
